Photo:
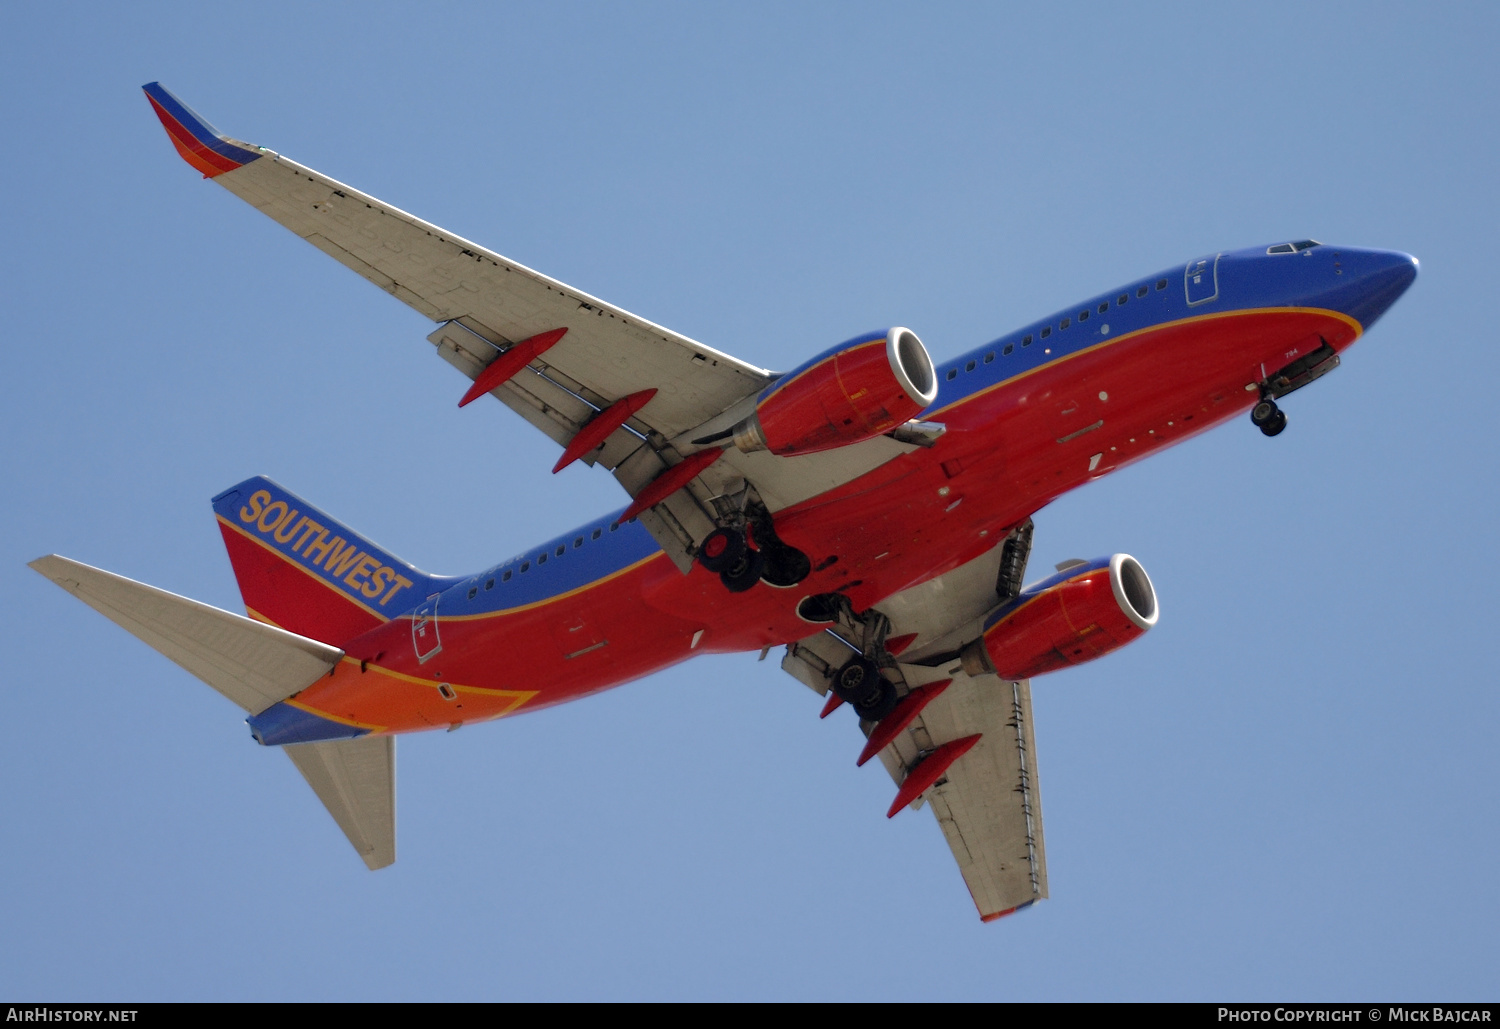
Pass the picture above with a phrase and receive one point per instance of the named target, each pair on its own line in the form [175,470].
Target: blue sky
[1289,789]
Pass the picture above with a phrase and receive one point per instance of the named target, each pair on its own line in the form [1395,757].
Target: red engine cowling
[855,391]
[1081,613]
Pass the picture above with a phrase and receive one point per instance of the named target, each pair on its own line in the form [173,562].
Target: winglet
[200,144]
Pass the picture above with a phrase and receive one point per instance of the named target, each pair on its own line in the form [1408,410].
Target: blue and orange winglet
[200,144]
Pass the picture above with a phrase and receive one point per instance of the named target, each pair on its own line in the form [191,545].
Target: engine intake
[855,391]
[1082,612]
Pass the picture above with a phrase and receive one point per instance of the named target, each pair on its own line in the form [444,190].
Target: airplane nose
[1380,279]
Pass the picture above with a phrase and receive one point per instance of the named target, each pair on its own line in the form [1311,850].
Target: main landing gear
[858,682]
[745,555]
[860,685]
[1268,418]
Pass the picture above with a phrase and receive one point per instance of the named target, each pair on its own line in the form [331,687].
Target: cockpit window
[1293,248]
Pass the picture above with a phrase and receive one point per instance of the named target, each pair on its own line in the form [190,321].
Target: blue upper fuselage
[1356,282]
[1352,281]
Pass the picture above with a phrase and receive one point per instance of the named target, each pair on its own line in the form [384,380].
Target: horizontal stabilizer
[253,664]
[356,781]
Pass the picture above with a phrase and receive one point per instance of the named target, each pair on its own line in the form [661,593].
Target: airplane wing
[489,305]
[356,781]
[987,802]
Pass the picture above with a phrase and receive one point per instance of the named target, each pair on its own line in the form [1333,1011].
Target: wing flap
[988,804]
[356,781]
[253,664]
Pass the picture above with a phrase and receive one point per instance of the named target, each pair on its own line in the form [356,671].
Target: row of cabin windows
[1083,316]
[541,559]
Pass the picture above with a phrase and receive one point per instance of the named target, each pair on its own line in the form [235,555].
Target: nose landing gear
[1267,417]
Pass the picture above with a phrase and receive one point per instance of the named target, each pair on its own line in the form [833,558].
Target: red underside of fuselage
[1008,451]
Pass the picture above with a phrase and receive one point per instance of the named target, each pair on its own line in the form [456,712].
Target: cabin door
[424,629]
[1201,279]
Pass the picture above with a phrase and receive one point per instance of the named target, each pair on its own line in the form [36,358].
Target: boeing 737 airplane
[869,511]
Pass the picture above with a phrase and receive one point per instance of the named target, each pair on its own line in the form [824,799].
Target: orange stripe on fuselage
[382,700]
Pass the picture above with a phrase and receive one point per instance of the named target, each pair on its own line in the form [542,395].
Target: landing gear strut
[1267,417]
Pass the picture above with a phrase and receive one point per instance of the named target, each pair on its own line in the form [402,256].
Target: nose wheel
[1268,418]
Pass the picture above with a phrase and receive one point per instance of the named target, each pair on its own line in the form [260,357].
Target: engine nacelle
[852,392]
[1081,613]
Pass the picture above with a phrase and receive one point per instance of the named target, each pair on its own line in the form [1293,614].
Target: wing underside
[988,801]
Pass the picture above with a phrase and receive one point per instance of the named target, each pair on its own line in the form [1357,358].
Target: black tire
[721,549]
[1264,413]
[785,566]
[854,679]
[878,701]
[860,685]
[1275,425]
[744,573]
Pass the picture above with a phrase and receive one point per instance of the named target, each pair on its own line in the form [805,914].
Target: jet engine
[1084,611]
[852,392]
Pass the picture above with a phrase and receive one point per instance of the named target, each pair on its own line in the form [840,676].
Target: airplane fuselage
[1029,416]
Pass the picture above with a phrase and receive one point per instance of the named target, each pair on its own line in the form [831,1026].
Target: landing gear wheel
[744,572]
[880,702]
[1267,417]
[721,548]
[860,685]
[785,566]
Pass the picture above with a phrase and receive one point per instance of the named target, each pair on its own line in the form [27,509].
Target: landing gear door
[424,629]
[1201,279]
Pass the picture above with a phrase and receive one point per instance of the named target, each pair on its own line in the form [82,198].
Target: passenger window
[991,355]
[613,526]
[1104,307]
[525,566]
[561,550]
[1065,323]
[489,584]
[1121,299]
[1026,341]
[596,534]
[1142,291]
[505,575]
[1161,283]
[1046,332]
[473,592]
[969,367]
[541,558]
[578,543]
[952,374]
[1009,349]
[1083,315]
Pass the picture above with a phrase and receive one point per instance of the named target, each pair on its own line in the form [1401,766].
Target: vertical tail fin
[301,570]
